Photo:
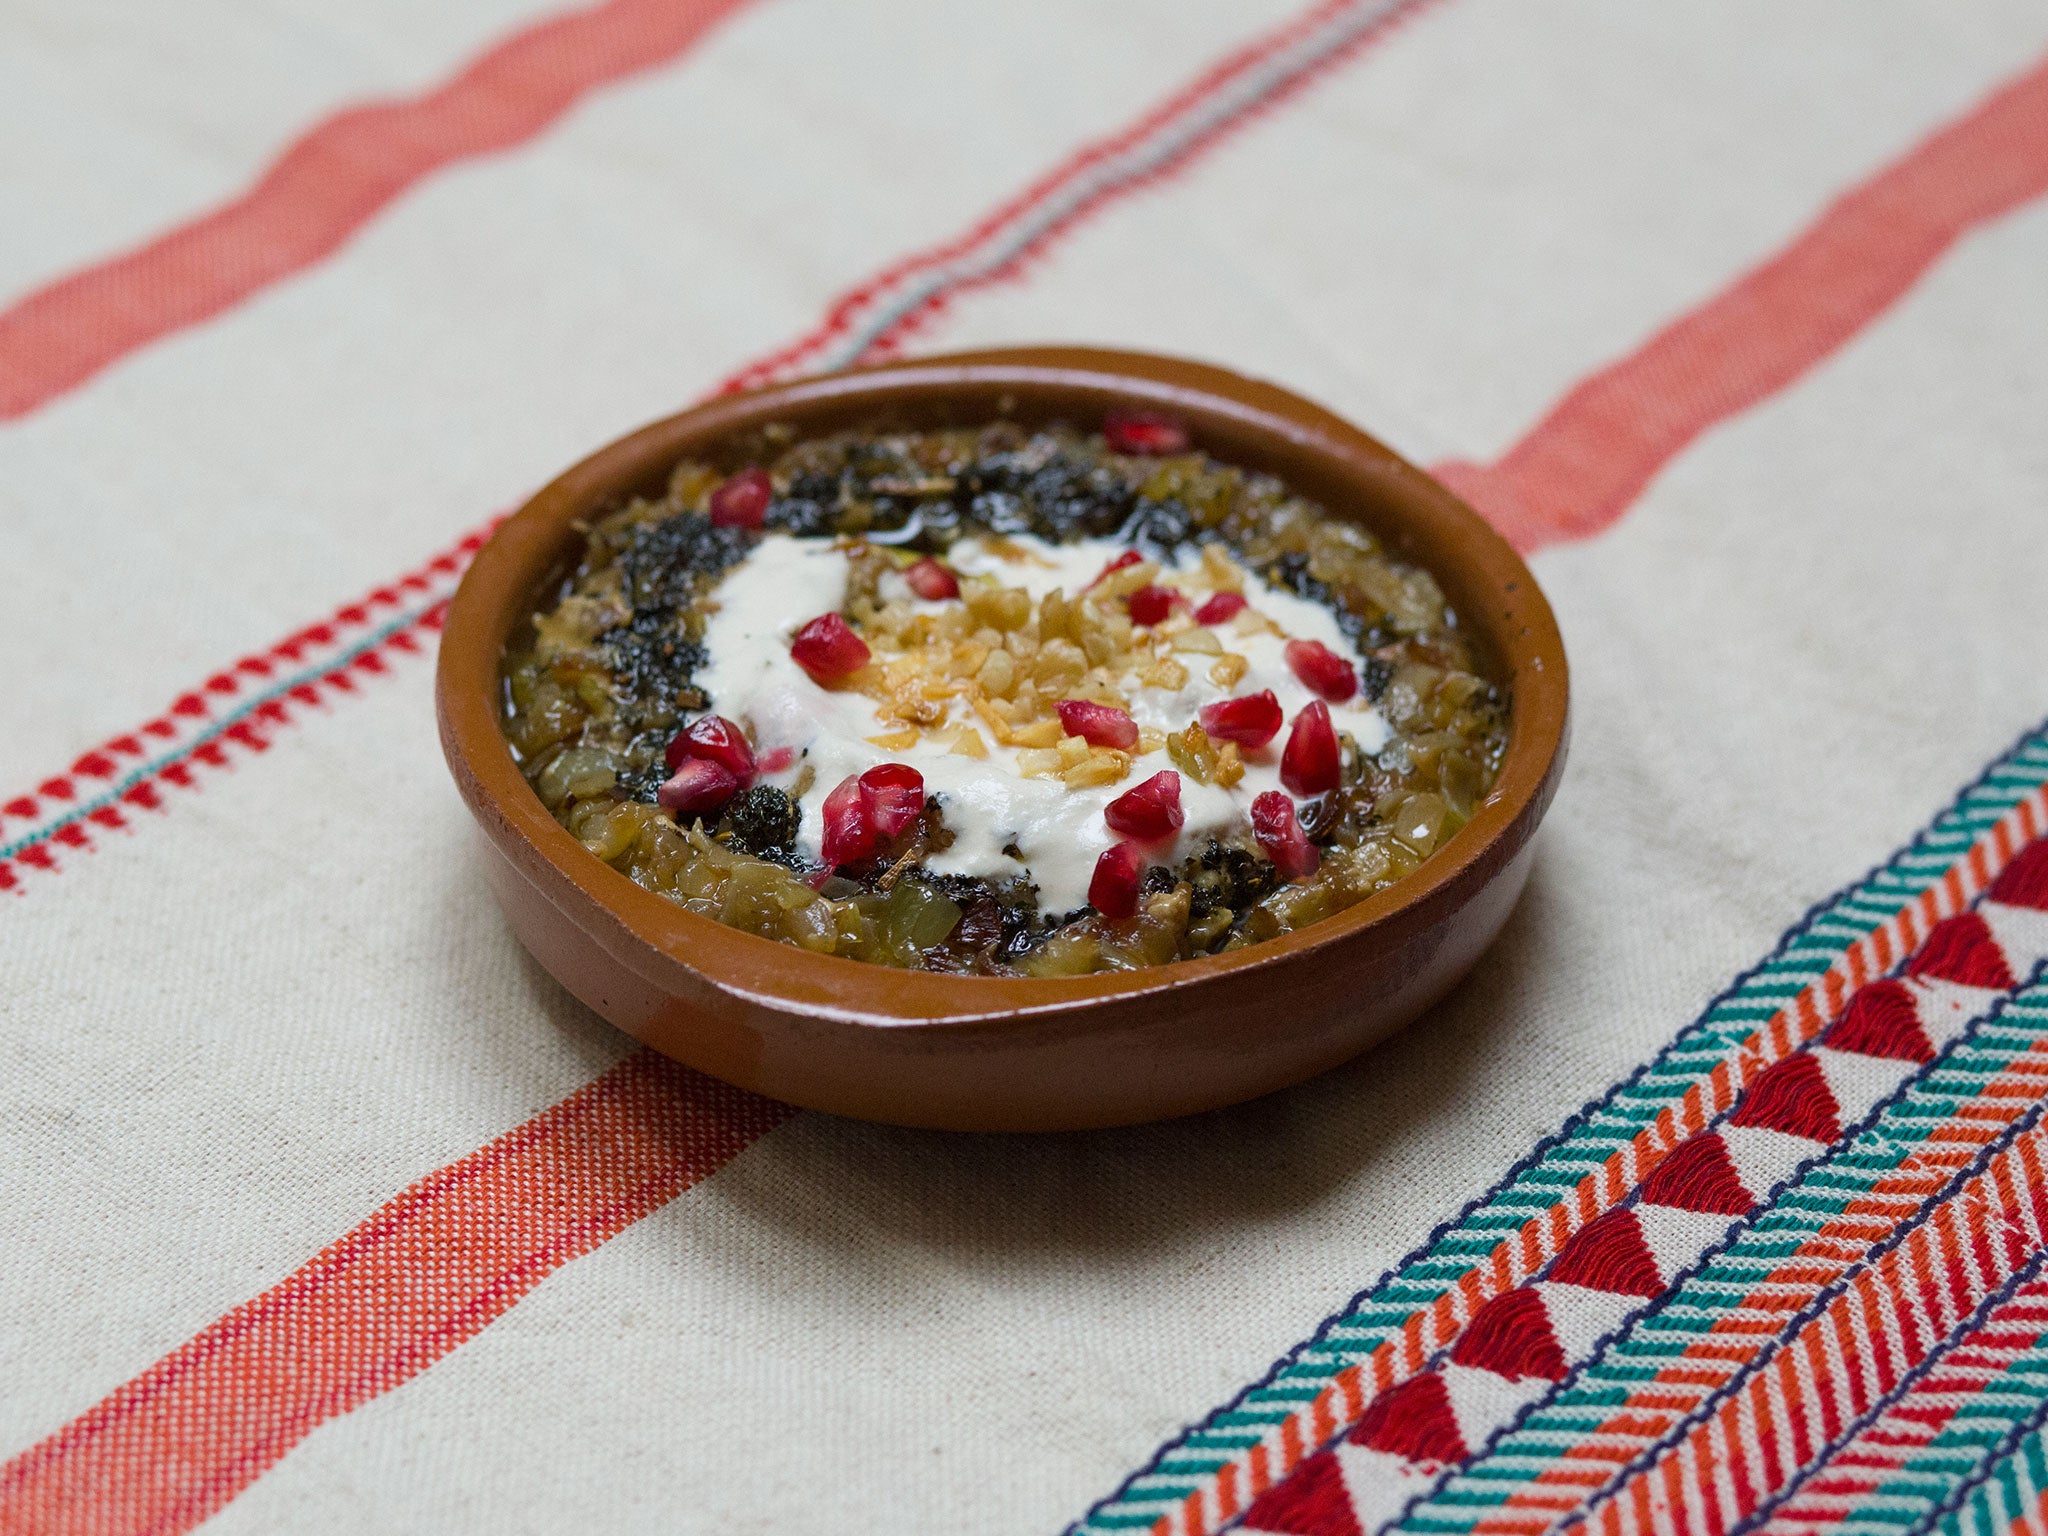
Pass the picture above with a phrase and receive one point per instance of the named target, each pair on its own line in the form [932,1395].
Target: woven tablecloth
[1714,1199]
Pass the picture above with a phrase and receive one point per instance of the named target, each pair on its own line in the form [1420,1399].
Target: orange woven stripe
[423,1274]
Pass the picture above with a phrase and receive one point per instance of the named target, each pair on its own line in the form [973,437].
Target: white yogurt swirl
[1003,823]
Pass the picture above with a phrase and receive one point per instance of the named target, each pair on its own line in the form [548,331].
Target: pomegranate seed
[1280,836]
[894,795]
[1100,725]
[1124,561]
[716,740]
[1251,721]
[1322,670]
[742,501]
[699,785]
[827,649]
[777,759]
[1114,890]
[1221,608]
[931,580]
[869,810]
[1310,765]
[1151,811]
[1151,605]
[849,832]
[1143,432]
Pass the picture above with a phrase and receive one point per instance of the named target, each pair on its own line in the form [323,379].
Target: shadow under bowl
[1008,1054]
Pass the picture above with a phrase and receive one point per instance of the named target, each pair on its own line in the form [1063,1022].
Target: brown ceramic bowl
[986,1053]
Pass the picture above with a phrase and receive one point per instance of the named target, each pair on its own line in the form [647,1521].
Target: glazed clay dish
[1029,566]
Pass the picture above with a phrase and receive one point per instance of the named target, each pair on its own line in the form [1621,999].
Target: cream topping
[1003,822]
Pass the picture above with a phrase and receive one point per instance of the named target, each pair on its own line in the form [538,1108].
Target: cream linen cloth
[277,995]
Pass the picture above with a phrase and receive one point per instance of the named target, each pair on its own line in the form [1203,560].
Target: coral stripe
[423,1274]
[326,186]
[1582,466]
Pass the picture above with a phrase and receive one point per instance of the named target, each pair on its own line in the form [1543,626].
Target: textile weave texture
[1715,1201]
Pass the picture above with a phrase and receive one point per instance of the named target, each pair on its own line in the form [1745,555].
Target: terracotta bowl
[985,1053]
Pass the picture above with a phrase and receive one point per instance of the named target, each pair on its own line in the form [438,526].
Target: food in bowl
[1000,700]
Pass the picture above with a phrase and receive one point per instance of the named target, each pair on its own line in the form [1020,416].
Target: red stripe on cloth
[423,1274]
[325,187]
[1583,464]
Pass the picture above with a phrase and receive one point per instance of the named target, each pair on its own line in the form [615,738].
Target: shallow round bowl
[986,1053]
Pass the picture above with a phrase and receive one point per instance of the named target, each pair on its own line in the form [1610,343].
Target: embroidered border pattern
[1209,1476]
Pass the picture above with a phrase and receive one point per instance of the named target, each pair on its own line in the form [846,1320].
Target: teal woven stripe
[2011,1490]
[1604,1127]
[1715,1292]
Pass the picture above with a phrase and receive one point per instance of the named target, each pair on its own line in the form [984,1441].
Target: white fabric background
[233,1033]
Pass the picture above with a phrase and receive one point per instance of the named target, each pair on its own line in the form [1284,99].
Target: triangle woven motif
[1310,1502]
[1512,1337]
[1699,1175]
[1412,1420]
[1882,1020]
[1962,949]
[1608,1254]
[1791,1096]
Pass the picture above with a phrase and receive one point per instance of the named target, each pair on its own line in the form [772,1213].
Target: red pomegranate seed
[931,580]
[716,740]
[1322,670]
[893,794]
[1310,764]
[1149,812]
[870,810]
[1221,608]
[1151,605]
[1280,836]
[742,501]
[776,759]
[1114,890]
[699,785]
[1143,432]
[1100,725]
[827,649]
[1124,561]
[1251,721]
[849,830]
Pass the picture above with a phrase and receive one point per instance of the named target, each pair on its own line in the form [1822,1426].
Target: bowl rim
[506,572]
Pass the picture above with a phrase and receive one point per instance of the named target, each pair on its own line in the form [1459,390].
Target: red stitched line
[326,186]
[104,762]
[886,343]
[844,311]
